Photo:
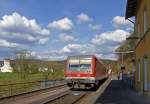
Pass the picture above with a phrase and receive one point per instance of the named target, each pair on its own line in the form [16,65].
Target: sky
[55,29]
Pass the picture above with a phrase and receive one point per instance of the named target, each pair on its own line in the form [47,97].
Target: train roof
[81,56]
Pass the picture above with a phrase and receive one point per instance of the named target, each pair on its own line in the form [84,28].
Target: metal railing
[8,90]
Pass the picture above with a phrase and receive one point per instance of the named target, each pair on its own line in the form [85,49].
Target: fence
[19,88]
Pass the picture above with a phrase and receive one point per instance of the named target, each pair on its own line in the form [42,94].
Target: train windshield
[85,67]
[80,64]
[75,67]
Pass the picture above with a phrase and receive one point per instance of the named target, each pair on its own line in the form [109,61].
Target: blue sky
[54,29]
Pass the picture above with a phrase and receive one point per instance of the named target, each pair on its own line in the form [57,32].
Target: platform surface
[120,93]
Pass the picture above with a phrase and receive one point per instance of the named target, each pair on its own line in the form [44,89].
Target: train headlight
[88,71]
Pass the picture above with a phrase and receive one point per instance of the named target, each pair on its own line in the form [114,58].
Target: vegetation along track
[36,96]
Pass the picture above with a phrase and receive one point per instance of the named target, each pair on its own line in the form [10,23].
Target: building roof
[131,8]
[1,63]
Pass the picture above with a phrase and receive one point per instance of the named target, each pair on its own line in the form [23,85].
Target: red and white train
[84,70]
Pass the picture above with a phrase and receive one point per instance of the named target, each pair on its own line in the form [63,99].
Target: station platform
[118,92]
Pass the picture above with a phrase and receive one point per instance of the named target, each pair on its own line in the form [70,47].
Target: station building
[6,66]
[140,9]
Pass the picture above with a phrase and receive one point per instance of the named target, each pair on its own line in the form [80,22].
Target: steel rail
[53,98]
[79,99]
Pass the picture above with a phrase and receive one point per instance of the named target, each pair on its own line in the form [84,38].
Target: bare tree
[22,65]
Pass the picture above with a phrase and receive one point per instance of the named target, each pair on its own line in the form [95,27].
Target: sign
[122,67]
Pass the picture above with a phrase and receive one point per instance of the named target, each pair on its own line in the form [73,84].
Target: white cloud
[83,18]
[67,38]
[105,52]
[50,55]
[78,49]
[120,21]
[18,29]
[72,48]
[94,27]
[43,40]
[114,36]
[108,56]
[4,43]
[75,49]
[17,23]
[62,24]
[107,42]
[102,45]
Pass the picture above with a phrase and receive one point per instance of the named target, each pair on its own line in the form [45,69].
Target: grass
[9,78]
[32,66]
[10,83]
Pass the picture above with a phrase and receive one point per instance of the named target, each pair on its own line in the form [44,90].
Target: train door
[145,77]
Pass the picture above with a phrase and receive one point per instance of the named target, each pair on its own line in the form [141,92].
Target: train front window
[85,67]
[79,64]
[74,67]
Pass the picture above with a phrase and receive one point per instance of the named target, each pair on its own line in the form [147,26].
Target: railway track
[36,96]
[86,96]
[70,98]
[56,95]
[79,99]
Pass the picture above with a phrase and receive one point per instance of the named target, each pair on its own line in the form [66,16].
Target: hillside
[113,64]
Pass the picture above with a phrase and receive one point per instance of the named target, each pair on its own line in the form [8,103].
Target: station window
[139,71]
[145,19]
[138,29]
